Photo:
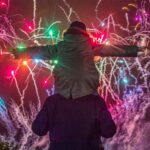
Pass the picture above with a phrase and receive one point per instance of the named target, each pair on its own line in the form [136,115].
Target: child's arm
[116,51]
[40,52]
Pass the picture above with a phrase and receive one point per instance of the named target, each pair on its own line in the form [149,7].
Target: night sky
[49,9]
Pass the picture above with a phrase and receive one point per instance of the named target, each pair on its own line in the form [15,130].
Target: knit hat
[78,24]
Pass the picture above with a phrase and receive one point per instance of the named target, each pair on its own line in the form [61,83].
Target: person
[74,124]
[75,73]
[75,115]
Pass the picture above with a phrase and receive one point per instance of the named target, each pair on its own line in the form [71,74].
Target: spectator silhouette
[74,124]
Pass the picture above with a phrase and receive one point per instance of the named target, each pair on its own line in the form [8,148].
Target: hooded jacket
[75,73]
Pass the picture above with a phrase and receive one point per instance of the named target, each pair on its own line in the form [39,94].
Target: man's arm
[40,52]
[106,123]
[116,51]
[41,124]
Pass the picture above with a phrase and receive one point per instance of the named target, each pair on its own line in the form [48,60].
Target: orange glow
[25,63]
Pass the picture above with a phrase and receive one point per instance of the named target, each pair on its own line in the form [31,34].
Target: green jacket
[75,74]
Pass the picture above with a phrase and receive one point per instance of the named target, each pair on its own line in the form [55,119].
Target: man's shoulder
[51,100]
[53,97]
[100,101]
[96,96]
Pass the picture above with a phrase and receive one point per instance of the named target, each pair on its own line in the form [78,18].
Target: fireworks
[123,81]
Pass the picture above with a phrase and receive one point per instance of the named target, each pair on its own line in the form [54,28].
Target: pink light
[99,37]
[138,18]
[3,4]
[28,26]
[146,14]
[45,81]
[12,72]
[102,36]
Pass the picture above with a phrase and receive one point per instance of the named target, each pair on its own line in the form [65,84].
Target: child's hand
[143,51]
[15,53]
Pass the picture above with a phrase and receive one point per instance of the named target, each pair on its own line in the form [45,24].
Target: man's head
[78,24]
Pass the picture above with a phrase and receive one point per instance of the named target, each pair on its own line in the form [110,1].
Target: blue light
[125,80]
[2,102]
[36,60]
[2,106]
[120,61]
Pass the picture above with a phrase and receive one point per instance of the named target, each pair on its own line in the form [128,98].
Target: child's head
[78,24]
[76,27]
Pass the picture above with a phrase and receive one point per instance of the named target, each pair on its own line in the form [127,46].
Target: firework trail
[36,88]
[34,12]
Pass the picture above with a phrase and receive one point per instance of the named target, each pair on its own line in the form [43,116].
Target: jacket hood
[76,35]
